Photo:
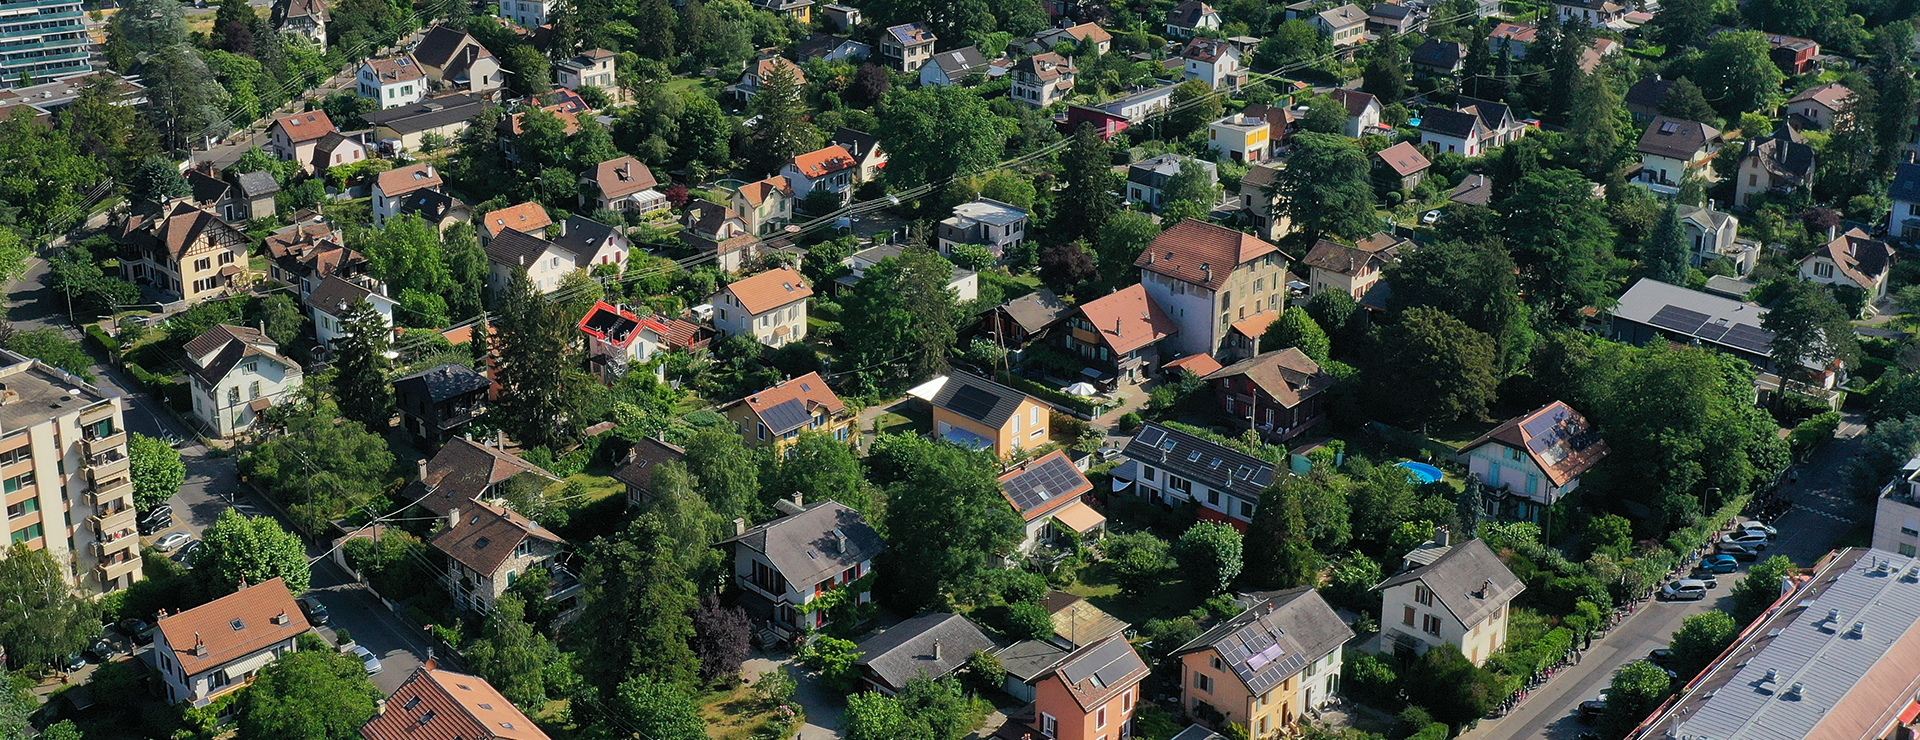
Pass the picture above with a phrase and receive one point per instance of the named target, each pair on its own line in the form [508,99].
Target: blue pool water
[1422,472]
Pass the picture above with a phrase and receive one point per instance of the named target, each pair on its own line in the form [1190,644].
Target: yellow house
[973,411]
[1264,668]
[1240,137]
[775,416]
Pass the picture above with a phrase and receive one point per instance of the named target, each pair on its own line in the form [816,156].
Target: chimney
[936,649]
[560,229]
[1207,270]
[1117,326]
[453,517]
[199,645]
[281,618]
[1440,536]
[422,466]
[430,665]
[739,527]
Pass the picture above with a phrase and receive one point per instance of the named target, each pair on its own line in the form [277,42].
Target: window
[1126,701]
[1213,497]
[1246,510]
[1822,269]
[204,263]
[1422,595]
[1201,681]
[1180,484]
[1214,660]
[233,396]
[1407,617]
[763,432]
[226,258]
[1016,424]
[1430,624]
[1910,527]
[23,508]
[22,453]
[1048,725]
[1100,718]
[1035,414]
[29,533]
[24,480]
[1913,209]
[1906,550]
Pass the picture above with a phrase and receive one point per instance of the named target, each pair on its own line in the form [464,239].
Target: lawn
[738,714]
[1457,434]
[708,86]
[591,489]
[1167,600]
[892,423]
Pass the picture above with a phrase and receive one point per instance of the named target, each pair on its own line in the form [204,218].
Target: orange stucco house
[1092,694]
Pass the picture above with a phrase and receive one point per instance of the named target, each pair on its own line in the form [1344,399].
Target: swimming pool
[1422,472]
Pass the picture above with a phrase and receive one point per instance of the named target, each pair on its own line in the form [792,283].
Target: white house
[1363,111]
[1043,79]
[1189,17]
[530,14]
[393,82]
[949,68]
[591,68]
[1147,178]
[1169,467]
[1242,138]
[619,337]
[390,188]
[831,169]
[1530,462]
[1474,127]
[1215,62]
[783,565]
[1594,12]
[454,60]
[217,648]
[237,372]
[984,221]
[1852,259]
[1715,234]
[1344,26]
[329,304]
[965,284]
[1448,595]
[771,307]
[1671,150]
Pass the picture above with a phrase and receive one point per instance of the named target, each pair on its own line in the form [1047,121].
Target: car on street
[368,659]
[1741,553]
[1591,710]
[172,542]
[1430,217]
[1755,525]
[1756,540]
[1720,564]
[1685,589]
[188,554]
[1660,656]
[316,612]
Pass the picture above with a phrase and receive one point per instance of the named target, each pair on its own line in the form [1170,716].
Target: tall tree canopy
[908,318]
[1326,189]
[935,133]
[946,518]
[1562,241]
[540,384]
[42,620]
[309,695]
[240,549]
[1434,368]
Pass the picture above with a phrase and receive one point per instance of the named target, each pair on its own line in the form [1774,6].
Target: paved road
[1823,512]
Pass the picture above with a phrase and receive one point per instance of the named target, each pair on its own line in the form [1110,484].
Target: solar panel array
[1256,647]
[1106,664]
[786,416]
[1558,433]
[1685,321]
[972,402]
[1151,436]
[1695,324]
[1210,463]
[1051,478]
[1749,338]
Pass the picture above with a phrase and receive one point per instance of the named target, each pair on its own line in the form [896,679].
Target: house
[933,645]
[1259,201]
[624,184]
[907,47]
[303,255]
[1120,336]
[843,18]
[1207,276]
[1147,178]
[1363,111]
[391,187]
[1043,79]
[1672,150]
[972,411]
[643,460]
[1106,125]
[765,206]
[454,60]
[1474,190]
[1819,107]
[185,253]
[760,71]
[1189,18]
[832,49]
[1087,37]
[1394,19]
[1344,26]
[1279,119]
[1459,597]
[1512,39]
[1437,58]
[1778,166]
[800,11]
[1646,96]
[1279,392]
[949,68]
[1854,260]
[1653,311]
[619,338]
[1046,494]
[338,148]
[1401,166]
[488,547]
[1794,55]
[217,648]
[809,550]
[435,704]
[1135,107]
[248,197]
[1020,322]
[463,472]
[1714,235]
[1168,467]
[1215,62]
[437,404]
[965,284]
[529,218]
[592,243]
[1243,139]
[236,373]
[528,13]
[1474,127]
[590,68]
[722,231]
[1596,52]
[577,244]
[392,82]
[866,151]
[443,117]
[334,298]
[293,138]
[771,307]
[831,169]
[1265,668]
[1076,625]
[775,416]
[1903,220]
[513,125]
[1530,462]
[1592,12]
[305,18]
[997,226]
[1092,693]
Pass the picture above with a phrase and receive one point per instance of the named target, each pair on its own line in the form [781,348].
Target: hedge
[1041,390]
[100,338]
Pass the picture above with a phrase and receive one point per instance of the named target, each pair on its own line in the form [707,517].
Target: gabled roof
[618,178]
[334,296]
[516,248]
[463,470]
[286,9]
[432,205]
[1493,114]
[305,127]
[979,399]
[206,188]
[1906,183]
[1403,158]
[486,536]
[1035,311]
[441,43]
[393,70]
[1439,54]
[906,650]
[860,144]
[585,237]
[1276,636]
[1862,259]
[1341,259]
[1288,376]
[1450,123]
[1390,11]
[212,340]
[232,351]
[1220,467]
[822,162]
[757,193]
[911,34]
[616,325]
[1468,579]
[644,460]
[402,180]
[1781,155]
[428,114]
[1675,138]
[1200,364]
[1202,253]
[819,542]
[1560,441]
[1041,486]
[1096,673]
[1189,13]
[765,68]
[769,290]
[234,626]
[255,184]
[961,62]
[1356,102]
[791,404]
[448,381]
[1521,32]
[1475,190]
[1207,50]
[1343,16]
[443,705]
[1260,175]
[525,217]
[1128,319]
[181,226]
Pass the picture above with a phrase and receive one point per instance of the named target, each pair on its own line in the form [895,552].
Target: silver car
[172,542]
[368,659]
[1685,589]
[1755,540]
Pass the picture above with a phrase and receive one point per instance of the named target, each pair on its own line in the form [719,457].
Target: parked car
[368,659]
[74,662]
[1430,217]
[161,517]
[1755,525]
[173,541]
[1755,540]
[1741,553]
[108,647]
[316,612]
[1660,657]
[1591,710]
[1705,576]
[131,626]
[188,554]
[1685,589]
[1720,564]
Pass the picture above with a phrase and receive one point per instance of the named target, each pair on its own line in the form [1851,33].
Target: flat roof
[32,392]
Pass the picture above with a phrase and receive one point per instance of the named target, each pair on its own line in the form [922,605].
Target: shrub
[1028,620]
[834,659]
[1137,559]
[1369,679]
[985,670]
[1130,421]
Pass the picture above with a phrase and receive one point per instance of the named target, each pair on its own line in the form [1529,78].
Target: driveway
[350,606]
[824,706]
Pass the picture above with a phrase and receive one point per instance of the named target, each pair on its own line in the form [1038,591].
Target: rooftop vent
[1859,629]
[1773,674]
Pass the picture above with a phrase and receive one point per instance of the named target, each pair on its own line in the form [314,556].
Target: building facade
[42,39]
[1207,276]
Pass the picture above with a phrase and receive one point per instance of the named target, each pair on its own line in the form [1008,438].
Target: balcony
[112,521]
[118,567]
[115,542]
[95,445]
[96,412]
[105,466]
[109,490]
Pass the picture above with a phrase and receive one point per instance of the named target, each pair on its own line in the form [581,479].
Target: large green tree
[1278,547]
[1190,108]
[1665,256]
[42,619]
[639,604]
[1120,241]
[1636,690]
[540,403]
[240,549]
[726,474]
[45,176]
[822,468]
[935,133]
[1295,328]
[1473,282]
[1736,73]
[908,318]
[660,710]
[781,131]
[522,663]
[1699,640]
[309,694]
[1211,554]
[1685,101]
[1595,123]
[1562,241]
[1435,369]
[1085,201]
[1809,328]
[360,384]
[321,466]
[1326,189]
[946,519]
[157,471]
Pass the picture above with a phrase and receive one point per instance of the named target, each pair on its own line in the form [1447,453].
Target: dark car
[1660,657]
[131,626]
[161,517]
[74,662]
[188,554]
[1591,709]
[316,612]
[108,647]
[1741,553]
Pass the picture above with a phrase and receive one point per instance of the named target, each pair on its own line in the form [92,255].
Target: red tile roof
[1557,438]
[1128,319]
[770,290]
[402,180]
[304,127]
[1201,365]
[621,177]
[1202,253]
[396,69]
[810,390]
[233,626]
[443,705]
[757,193]
[526,218]
[822,162]
[1404,158]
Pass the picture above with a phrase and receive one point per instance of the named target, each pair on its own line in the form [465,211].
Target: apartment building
[41,39]
[1199,272]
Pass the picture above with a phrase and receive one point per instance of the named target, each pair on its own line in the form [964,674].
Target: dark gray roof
[1475,190]
[1035,311]
[1785,157]
[206,188]
[428,114]
[1437,53]
[1389,10]
[857,143]
[257,183]
[1277,635]
[1219,467]
[335,295]
[978,399]
[515,248]
[431,205]
[1676,138]
[584,237]
[451,380]
[437,47]
[820,542]
[644,460]
[1649,93]
[1906,183]
[905,651]
[1198,732]
[1690,313]
[1448,122]
[961,62]
[1029,659]
[1468,579]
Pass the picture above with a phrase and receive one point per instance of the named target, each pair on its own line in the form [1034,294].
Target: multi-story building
[771,307]
[1168,467]
[186,253]
[1147,178]
[1896,515]
[437,704]
[1671,150]
[1043,79]
[63,458]
[1242,138]
[393,82]
[1207,276]
[217,648]
[1530,462]
[1350,270]
[1091,694]
[1778,165]
[907,47]
[986,222]
[237,372]
[1344,26]
[1119,335]
[306,18]
[529,14]
[783,565]
[41,39]
[765,206]
[1266,667]
[488,547]
[972,411]
[454,60]
[391,187]
[590,68]
[1277,393]
[1853,260]
[1448,594]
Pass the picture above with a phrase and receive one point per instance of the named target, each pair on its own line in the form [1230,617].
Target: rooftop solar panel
[1052,478]
[1150,436]
[1713,331]
[1749,338]
[975,403]
[1685,321]
[786,416]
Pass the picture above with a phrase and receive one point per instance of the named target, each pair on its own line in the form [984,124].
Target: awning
[244,666]
[1079,517]
[1913,710]
[966,438]
[260,404]
[1120,484]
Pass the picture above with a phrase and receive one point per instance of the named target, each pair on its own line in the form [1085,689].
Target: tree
[822,468]
[514,658]
[1435,368]
[722,638]
[1753,594]
[528,71]
[1595,124]
[1682,23]
[1192,106]
[1809,328]
[658,709]
[360,385]
[1453,689]
[159,180]
[875,716]
[185,99]
[1686,102]
[1326,189]
[1636,690]
[157,471]
[908,316]
[1137,559]
[252,550]
[1194,184]
[50,346]
[45,173]
[945,519]
[1473,282]
[936,133]
[782,131]
[539,403]
[639,603]
[233,26]
[1666,256]
[1893,441]
[1295,328]
[281,319]
[1384,76]
[1279,550]
[1736,73]
[1699,640]
[42,619]
[1293,42]
[309,695]
[1325,115]
[1065,265]
[1120,241]
[467,270]
[1210,554]
[319,467]
[726,474]
[1562,240]
[1087,180]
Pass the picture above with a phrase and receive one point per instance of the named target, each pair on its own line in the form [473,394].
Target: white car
[1685,589]
[368,659]
[173,541]
[1758,526]
[1430,217]
[1756,540]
